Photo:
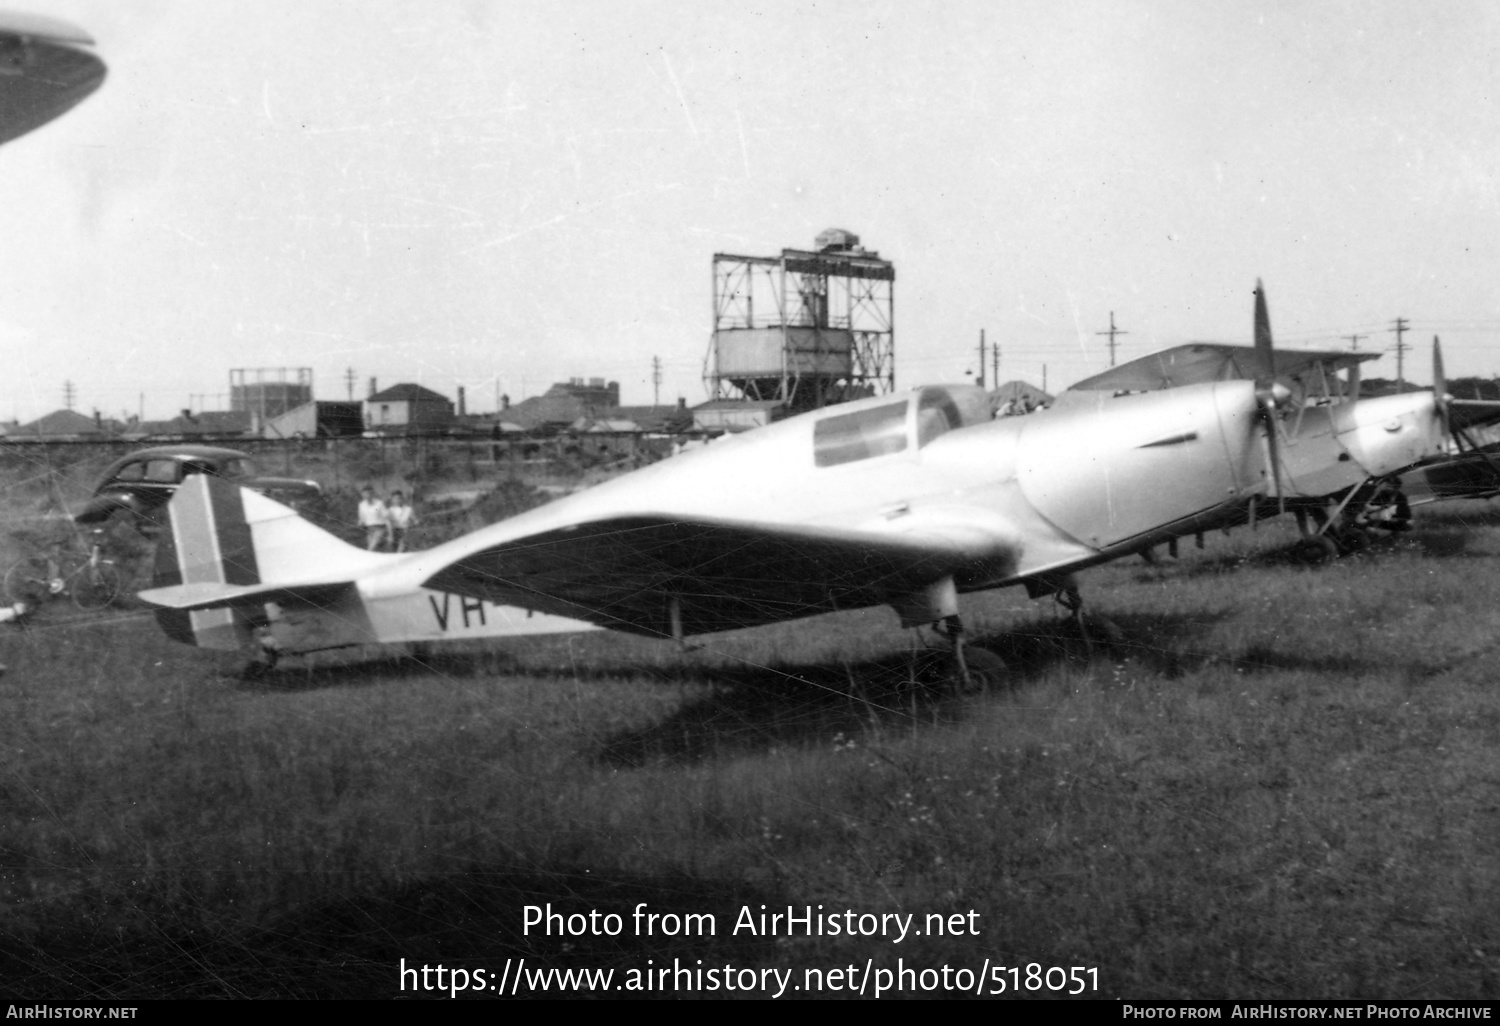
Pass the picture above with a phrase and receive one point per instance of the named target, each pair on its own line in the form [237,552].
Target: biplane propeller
[1334,459]
[1472,471]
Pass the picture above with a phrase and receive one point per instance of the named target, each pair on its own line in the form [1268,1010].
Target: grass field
[1284,783]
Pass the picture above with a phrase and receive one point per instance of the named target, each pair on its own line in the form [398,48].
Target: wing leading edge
[668,577]
[1200,362]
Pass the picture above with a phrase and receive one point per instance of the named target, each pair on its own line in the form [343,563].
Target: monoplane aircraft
[1336,458]
[905,500]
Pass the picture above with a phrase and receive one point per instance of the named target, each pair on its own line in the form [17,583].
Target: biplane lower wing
[670,577]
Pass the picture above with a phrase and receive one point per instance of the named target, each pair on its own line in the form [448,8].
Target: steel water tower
[803,329]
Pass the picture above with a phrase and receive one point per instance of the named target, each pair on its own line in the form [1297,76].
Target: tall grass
[1281,784]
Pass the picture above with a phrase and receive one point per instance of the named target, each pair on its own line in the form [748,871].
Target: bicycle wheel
[33,580]
[95,585]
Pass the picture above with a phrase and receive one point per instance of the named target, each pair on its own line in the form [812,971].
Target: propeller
[1267,392]
[1440,396]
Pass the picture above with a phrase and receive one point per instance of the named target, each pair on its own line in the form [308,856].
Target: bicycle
[92,580]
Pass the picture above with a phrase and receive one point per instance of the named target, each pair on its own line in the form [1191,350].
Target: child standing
[401,518]
[374,518]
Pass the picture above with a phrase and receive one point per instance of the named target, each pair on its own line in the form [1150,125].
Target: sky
[504,195]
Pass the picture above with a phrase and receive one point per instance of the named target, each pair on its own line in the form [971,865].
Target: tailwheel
[267,652]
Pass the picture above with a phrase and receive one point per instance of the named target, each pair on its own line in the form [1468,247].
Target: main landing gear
[1092,628]
[975,669]
[1378,505]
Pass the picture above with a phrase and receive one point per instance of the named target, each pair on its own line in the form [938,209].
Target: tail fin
[228,551]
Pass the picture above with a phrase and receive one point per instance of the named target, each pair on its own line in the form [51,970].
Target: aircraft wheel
[1317,550]
[1352,540]
[1101,630]
[986,670]
[95,587]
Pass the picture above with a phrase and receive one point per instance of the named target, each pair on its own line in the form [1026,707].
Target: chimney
[505,402]
[462,407]
[373,389]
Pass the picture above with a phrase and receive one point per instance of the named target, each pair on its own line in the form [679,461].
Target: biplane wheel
[1100,630]
[1317,550]
[986,671]
[1352,540]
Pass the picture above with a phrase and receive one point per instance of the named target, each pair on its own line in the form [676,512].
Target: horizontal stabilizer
[228,551]
[211,595]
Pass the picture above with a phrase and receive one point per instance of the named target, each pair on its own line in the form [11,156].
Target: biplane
[1339,462]
[909,501]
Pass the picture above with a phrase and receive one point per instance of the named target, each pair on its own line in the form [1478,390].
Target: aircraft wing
[1200,362]
[624,572]
[43,71]
[1468,413]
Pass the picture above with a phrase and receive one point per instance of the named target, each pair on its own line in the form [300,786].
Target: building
[318,419]
[59,426]
[593,393]
[804,329]
[408,409]
[269,391]
[720,415]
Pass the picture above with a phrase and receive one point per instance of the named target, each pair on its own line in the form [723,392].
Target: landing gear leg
[974,669]
[1093,627]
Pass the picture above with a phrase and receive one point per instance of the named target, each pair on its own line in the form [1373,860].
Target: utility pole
[1401,348]
[68,393]
[980,380]
[1112,332]
[349,382]
[655,381]
[1354,342]
[995,364]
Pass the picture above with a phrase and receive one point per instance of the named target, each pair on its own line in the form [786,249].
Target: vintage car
[137,487]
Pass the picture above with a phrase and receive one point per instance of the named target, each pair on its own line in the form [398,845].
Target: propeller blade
[1266,390]
[1273,448]
[1440,395]
[1264,350]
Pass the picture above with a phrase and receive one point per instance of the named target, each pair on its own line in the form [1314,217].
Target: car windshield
[237,468]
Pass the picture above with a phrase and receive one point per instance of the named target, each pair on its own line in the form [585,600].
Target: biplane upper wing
[44,71]
[667,576]
[1198,362]
[1470,413]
